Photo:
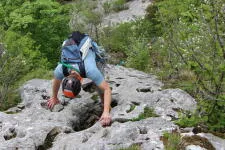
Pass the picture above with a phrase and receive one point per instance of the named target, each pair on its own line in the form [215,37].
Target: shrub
[107,6]
[132,147]
[45,21]
[138,55]
[171,140]
[119,5]
[188,43]
[148,112]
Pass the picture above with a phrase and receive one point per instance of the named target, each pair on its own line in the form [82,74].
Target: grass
[13,99]
[95,98]
[148,112]
[171,141]
[132,107]
[119,5]
[13,96]
[38,73]
[132,147]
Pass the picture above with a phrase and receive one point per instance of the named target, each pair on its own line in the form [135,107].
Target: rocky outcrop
[136,9]
[73,124]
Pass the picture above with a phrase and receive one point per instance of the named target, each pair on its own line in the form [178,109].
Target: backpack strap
[65,71]
[81,68]
[84,46]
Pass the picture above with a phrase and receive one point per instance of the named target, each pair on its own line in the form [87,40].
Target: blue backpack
[72,53]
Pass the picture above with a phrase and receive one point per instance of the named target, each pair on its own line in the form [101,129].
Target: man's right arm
[54,99]
[106,118]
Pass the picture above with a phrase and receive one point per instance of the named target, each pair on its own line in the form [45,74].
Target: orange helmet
[71,86]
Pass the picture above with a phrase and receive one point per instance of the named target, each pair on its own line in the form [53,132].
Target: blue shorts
[91,69]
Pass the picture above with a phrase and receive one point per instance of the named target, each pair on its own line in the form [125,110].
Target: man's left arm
[106,118]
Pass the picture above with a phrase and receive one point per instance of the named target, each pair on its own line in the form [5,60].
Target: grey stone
[217,142]
[136,10]
[58,108]
[194,147]
[75,125]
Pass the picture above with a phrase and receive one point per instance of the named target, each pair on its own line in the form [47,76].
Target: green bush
[132,107]
[40,73]
[132,147]
[138,55]
[45,21]
[18,59]
[107,6]
[119,5]
[117,39]
[148,112]
[86,18]
[11,70]
[171,141]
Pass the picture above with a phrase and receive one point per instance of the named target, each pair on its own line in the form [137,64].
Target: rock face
[74,123]
[136,9]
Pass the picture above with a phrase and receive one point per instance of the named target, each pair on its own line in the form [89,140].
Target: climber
[78,60]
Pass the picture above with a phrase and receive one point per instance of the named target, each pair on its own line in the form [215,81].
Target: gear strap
[80,73]
[82,69]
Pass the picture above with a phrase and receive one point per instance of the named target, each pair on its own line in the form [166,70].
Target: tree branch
[221,43]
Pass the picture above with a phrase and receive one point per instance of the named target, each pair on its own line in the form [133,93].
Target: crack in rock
[88,116]
[135,103]
[145,90]
[10,134]
[49,139]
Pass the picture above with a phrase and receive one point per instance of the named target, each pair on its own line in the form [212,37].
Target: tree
[45,21]
[86,18]
[193,38]
[17,59]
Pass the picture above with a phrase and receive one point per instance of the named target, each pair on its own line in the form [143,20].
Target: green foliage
[119,5]
[116,39]
[171,140]
[13,98]
[1,15]
[46,22]
[11,70]
[190,120]
[107,6]
[119,38]
[138,55]
[94,97]
[191,40]
[215,114]
[40,73]
[24,45]
[116,6]
[18,59]
[132,107]
[132,147]
[31,33]
[148,112]
[132,40]
[181,42]
[85,17]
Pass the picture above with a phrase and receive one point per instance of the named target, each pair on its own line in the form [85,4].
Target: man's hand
[105,119]
[52,102]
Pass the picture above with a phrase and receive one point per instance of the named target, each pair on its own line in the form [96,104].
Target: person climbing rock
[78,60]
